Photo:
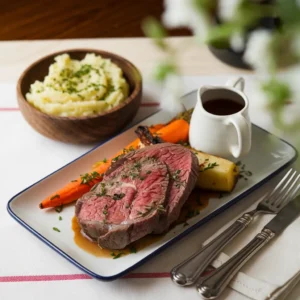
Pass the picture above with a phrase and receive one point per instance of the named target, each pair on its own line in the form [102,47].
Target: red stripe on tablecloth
[148,104]
[144,104]
[31,278]
[9,109]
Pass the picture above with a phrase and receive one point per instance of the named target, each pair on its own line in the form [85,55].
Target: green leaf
[289,12]
[249,13]
[59,208]
[205,6]
[278,92]
[153,29]
[163,70]
[219,35]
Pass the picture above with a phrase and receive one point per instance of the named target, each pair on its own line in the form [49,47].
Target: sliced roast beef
[183,168]
[143,192]
[126,205]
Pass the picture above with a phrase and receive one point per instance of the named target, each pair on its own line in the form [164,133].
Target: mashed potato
[79,88]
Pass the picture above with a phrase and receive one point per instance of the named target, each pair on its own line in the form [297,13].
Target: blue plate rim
[167,244]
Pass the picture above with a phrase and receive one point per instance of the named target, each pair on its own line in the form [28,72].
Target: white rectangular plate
[269,155]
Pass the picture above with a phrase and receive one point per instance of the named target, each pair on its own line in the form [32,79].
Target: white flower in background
[227,9]
[179,13]
[170,96]
[237,42]
[257,52]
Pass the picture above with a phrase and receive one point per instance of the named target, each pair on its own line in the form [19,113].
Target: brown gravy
[197,201]
[222,107]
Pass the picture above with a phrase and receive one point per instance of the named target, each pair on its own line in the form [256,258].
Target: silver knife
[211,286]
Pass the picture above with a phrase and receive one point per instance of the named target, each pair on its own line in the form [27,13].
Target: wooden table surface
[56,19]
[193,59]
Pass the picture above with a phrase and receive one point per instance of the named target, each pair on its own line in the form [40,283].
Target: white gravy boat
[220,123]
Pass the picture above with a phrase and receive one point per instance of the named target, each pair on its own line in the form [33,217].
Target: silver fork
[187,272]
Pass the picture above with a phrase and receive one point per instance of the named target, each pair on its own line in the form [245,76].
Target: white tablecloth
[31,270]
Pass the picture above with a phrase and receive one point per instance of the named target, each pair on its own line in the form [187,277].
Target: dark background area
[54,19]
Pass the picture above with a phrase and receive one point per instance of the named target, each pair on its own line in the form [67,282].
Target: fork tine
[279,195]
[293,195]
[289,194]
[269,195]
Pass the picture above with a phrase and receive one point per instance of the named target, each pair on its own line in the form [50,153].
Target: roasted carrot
[176,131]
[69,193]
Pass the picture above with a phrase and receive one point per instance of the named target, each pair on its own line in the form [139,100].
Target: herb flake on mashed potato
[76,88]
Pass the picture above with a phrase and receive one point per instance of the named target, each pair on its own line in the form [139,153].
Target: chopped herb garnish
[115,256]
[84,70]
[178,184]
[244,173]
[116,158]
[104,160]
[147,211]
[75,180]
[56,229]
[59,208]
[87,178]
[133,175]
[161,209]
[118,196]
[148,172]
[60,218]
[175,175]
[137,165]
[103,190]
[105,210]
[132,249]
[209,166]
[183,143]
[54,197]
[131,148]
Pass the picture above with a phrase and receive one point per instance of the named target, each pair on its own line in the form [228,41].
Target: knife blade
[211,286]
[285,217]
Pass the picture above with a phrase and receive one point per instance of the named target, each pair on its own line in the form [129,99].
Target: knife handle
[211,286]
[187,272]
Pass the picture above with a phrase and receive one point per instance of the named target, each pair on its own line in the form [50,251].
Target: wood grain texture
[56,19]
[81,130]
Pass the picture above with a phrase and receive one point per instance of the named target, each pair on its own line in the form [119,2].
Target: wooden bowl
[89,129]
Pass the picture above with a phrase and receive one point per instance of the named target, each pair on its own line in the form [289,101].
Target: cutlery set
[282,201]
